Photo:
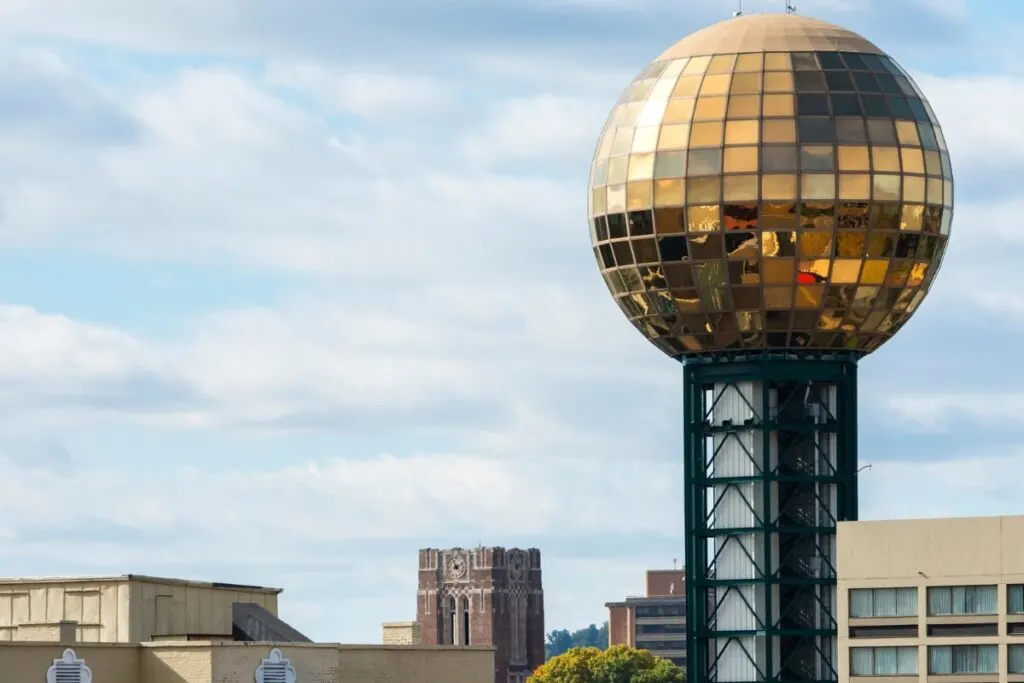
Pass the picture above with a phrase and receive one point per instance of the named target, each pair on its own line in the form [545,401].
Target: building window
[883,602]
[68,668]
[1015,599]
[659,645]
[963,659]
[464,620]
[659,629]
[956,600]
[450,622]
[883,661]
[1015,659]
[676,610]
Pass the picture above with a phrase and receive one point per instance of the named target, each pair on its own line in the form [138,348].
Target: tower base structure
[770,468]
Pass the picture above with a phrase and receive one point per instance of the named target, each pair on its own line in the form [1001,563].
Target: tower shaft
[770,468]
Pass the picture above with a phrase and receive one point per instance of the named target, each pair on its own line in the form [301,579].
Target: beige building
[937,600]
[227,662]
[125,609]
[655,622]
[143,629]
[401,633]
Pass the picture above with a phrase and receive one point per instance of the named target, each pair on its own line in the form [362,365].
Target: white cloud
[538,129]
[945,412]
[365,94]
[957,484]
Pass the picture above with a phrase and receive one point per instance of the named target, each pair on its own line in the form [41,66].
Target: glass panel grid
[963,659]
[837,142]
[883,661]
[962,600]
[1015,599]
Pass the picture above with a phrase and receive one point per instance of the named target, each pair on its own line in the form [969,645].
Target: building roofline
[659,600]
[142,578]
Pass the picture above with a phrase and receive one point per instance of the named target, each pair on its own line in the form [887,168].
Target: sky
[291,290]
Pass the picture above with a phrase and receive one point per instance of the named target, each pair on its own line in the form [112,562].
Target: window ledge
[962,619]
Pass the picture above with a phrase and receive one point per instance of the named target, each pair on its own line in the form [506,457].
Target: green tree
[561,640]
[557,643]
[619,664]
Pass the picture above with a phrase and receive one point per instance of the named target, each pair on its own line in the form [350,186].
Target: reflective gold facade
[773,182]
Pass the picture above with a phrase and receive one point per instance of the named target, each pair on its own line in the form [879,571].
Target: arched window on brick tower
[450,620]
[464,619]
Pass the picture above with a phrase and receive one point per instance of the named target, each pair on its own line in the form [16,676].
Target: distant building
[931,600]
[485,596]
[134,608]
[401,633]
[655,622]
[143,629]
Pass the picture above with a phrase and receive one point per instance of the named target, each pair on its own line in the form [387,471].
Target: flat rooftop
[142,578]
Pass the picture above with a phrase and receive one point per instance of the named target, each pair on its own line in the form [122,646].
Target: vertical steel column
[774,620]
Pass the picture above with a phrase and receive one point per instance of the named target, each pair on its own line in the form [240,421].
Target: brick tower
[485,596]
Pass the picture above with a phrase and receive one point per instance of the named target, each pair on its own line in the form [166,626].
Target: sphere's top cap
[769,33]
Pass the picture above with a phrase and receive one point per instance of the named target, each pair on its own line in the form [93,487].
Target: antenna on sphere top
[739,8]
[790,7]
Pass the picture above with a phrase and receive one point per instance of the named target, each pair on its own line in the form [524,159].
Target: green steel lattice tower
[770,200]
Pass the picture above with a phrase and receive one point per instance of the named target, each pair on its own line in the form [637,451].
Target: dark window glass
[641,223]
[831,60]
[916,106]
[906,246]
[654,645]
[606,256]
[646,252]
[873,62]
[839,80]
[623,254]
[846,105]
[812,105]
[888,84]
[890,66]
[883,631]
[815,130]
[899,108]
[616,225]
[854,61]
[672,248]
[866,82]
[675,610]
[874,106]
[660,628]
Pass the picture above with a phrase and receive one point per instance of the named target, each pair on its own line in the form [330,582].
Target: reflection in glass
[765,200]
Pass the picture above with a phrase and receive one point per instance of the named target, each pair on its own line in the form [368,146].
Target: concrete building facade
[131,608]
[655,622]
[936,600]
[401,633]
[228,662]
[484,596]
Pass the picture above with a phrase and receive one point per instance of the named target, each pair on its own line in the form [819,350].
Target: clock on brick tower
[485,596]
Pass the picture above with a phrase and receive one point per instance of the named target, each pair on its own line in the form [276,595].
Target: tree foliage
[619,664]
[562,640]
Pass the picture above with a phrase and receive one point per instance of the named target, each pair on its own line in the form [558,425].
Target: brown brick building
[485,596]
[656,621]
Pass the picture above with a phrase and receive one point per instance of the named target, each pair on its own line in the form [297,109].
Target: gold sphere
[770,183]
